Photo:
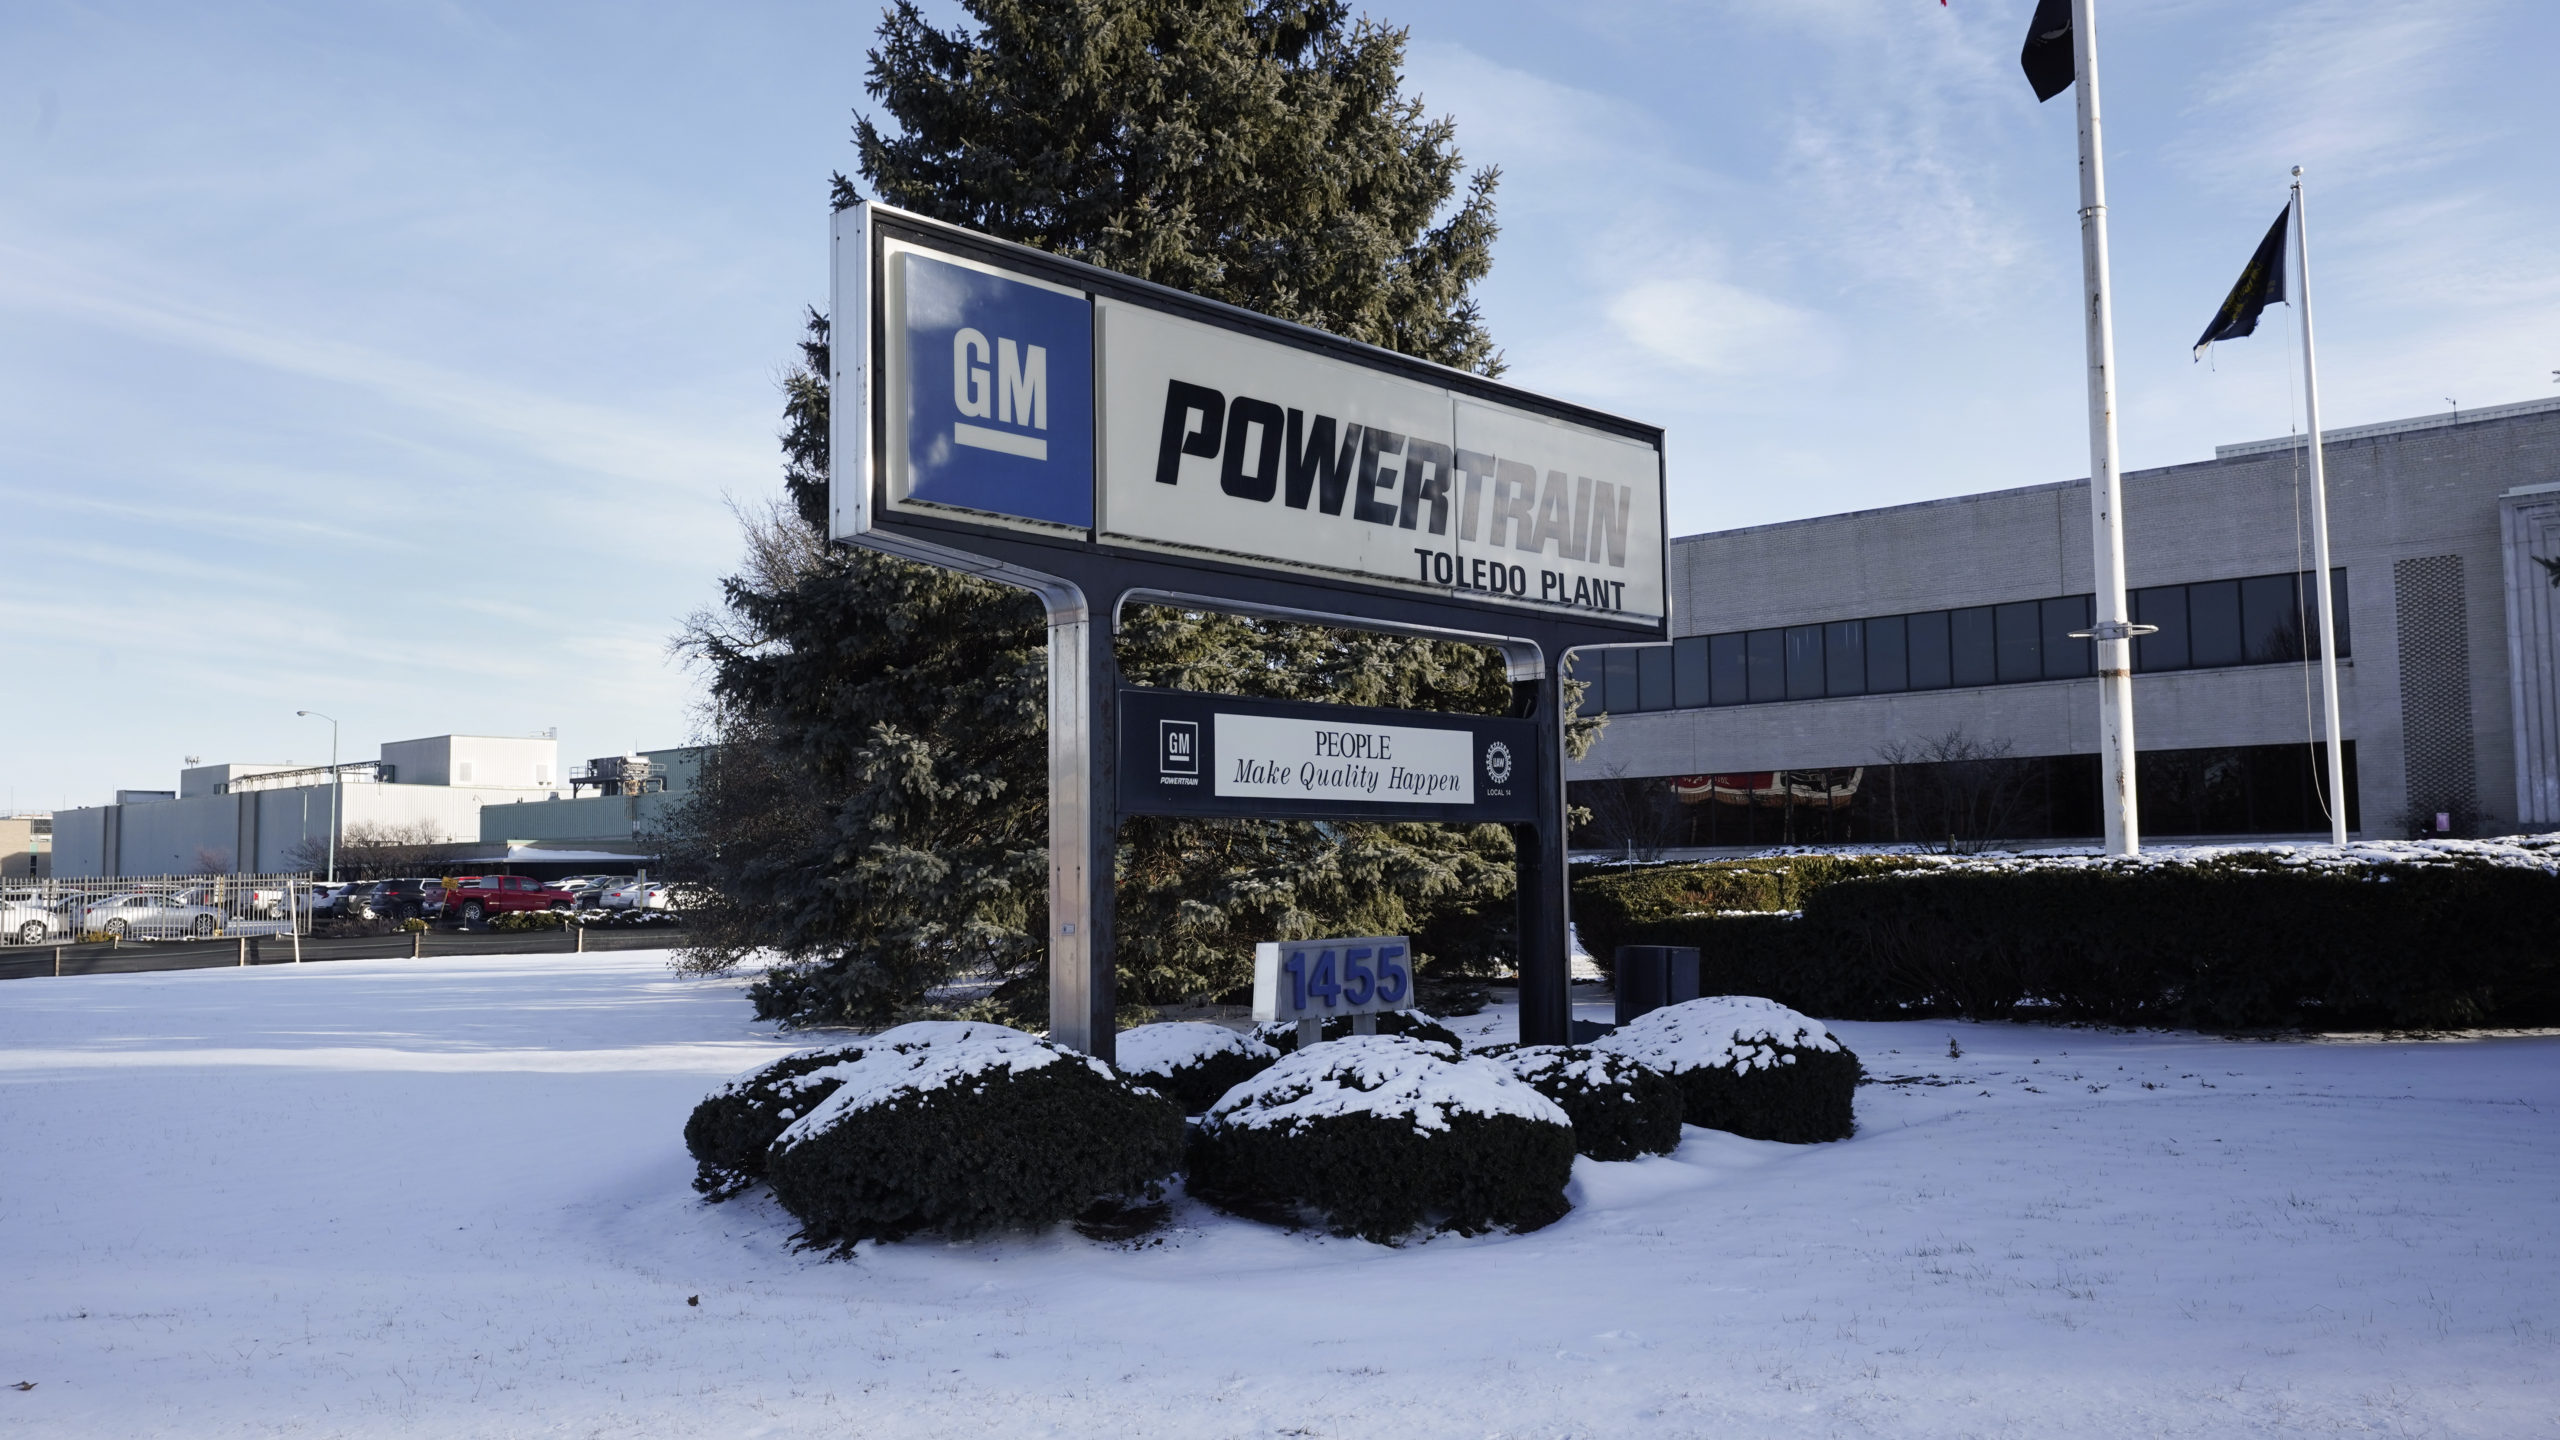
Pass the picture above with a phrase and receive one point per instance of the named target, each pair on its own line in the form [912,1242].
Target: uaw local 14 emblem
[1497,763]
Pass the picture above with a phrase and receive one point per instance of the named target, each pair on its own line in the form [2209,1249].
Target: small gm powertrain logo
[1497,763]
[1178,747]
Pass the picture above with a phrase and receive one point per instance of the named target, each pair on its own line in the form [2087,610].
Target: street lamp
[333,788]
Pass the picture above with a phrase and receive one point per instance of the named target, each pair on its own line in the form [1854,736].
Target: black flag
[2048,57]
[2261,285]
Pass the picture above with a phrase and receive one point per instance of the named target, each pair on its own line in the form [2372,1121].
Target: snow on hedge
[1173,1045]
[2524,852]
[761,1081]
[1589,1066]
[1721,1032]
[924,1056]
[1390,1076]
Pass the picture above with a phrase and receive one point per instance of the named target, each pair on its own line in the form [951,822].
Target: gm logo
[1024,392]
[1178,749]
[999,393]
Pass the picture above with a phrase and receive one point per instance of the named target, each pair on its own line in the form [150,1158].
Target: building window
[2165,607]
[2064,657]
[1653,677]
[2271,618]
[2020,629]
[2213,624]
[1932,652]
[1976,648]
[2243,790]
[2258,620]
[1844,657]
[1728,676]
[1689,672]
[1768,649]
[1888,661]
[1804,662]
[1619,692]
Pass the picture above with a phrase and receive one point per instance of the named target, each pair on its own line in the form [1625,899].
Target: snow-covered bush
[1191,1063]
[1620,1107]
[965,1127]
[1377,1135]
[729,1131]
[1282,1035]
[1749,1066]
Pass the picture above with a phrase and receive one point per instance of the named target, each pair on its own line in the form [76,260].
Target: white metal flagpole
[2320,532]
[2113,632]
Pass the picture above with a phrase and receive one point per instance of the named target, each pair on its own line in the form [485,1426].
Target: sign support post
[1084,825]
[1546,941]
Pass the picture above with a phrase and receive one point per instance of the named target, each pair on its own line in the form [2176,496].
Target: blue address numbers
[1299,979]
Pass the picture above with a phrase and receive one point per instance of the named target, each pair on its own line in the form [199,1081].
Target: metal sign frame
[1086,583]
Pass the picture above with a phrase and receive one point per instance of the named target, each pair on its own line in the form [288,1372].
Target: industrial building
[1897,674]
[26,846]
[439,802]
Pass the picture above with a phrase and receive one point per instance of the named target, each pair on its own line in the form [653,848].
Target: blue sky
[400,361]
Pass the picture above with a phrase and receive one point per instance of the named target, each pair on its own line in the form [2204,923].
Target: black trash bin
[1652,976]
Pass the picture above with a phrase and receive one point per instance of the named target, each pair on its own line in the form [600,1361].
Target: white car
[637,895]
[25,920]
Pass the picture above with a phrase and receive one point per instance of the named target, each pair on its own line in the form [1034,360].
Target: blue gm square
[999,394]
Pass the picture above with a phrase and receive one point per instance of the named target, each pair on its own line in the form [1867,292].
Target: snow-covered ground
[449,1197]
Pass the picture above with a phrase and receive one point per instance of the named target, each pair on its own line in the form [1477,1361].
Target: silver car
[145,915]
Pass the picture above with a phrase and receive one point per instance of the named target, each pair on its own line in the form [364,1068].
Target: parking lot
[18,962]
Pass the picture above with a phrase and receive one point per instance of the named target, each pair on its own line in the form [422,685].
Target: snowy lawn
[450,1197]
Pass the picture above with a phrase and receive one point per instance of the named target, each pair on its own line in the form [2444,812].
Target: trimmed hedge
[965,1128]
[1620,1109]
[1626,905]
[530,920]
[730,1130]
[1748,1066]
[1380,1136]
[1191,1063]
[2233,942]
[1282,1035]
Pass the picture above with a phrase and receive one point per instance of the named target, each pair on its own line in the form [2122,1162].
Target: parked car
[404,899]
[473,898]
[148,915]
[237,902]
[334,899]
[26,919]
[635,895]
[590,896]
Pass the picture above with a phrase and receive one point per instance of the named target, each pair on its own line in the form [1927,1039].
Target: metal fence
[153,907]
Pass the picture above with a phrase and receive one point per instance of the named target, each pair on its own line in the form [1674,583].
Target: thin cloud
[1618,191]
[1707,327]
[2354,85]
[622,444]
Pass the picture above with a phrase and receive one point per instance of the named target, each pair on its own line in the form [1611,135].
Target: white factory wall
[490,761]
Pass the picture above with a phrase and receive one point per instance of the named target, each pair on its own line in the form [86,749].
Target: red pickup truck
[472,898]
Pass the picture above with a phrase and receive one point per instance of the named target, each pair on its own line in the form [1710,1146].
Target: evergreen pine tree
[1259,152]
